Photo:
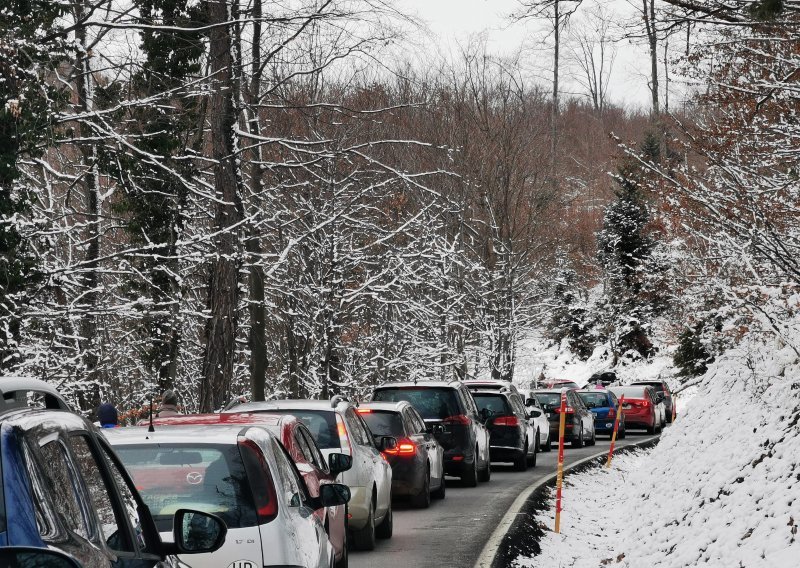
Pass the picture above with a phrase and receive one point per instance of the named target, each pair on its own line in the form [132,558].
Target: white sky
[453,21]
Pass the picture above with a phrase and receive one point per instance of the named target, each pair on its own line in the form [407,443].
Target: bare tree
[593,51]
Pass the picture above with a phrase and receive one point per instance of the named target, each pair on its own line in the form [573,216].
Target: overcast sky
[453,21]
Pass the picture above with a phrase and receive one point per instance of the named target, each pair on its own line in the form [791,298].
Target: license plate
[626,406]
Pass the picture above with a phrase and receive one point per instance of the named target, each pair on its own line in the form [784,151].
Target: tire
[386,528]
[578,442]
[364,539]
[593,441]
[621,433]
[548,445]
[484,474]
[469,478]
[344,561]
[441,492]
[652,429]
[422,500]
[536,448]
[521,463]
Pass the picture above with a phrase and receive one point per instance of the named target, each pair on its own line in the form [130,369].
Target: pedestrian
[169,405]
[107,415]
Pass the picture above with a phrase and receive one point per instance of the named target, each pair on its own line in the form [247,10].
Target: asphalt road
[452,532]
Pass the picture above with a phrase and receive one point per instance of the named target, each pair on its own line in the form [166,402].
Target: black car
[579,426]
[511,437]
[418,459]
[605,378]
[463,435]
[64,488]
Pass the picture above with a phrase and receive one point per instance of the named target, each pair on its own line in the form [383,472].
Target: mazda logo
[194,477]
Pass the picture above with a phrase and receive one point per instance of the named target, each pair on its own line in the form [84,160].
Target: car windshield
[630,392]
[205,477]
[321,423]
[383,422]
[594,399]
[548,400]
[495,403]
[431,402]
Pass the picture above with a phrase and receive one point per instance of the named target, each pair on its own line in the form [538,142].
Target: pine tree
[691,356]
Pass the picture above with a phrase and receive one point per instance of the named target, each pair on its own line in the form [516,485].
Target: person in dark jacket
[169,405]
[107,415]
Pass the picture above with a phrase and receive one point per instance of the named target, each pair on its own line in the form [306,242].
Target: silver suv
[337,428]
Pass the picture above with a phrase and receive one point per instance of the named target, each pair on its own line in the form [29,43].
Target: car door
[305,531]
[381,470]
[415,425]
[481,432]
[587,416]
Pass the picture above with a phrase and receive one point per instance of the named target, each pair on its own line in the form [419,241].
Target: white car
[337,427]
[242,474]
[538,419]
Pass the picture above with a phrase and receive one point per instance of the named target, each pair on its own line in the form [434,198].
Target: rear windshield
[630,392]
[659,387]
[321,423]
[208,478]
[384,422]
[431,402]
[594,399]
[548,400]
[497,404]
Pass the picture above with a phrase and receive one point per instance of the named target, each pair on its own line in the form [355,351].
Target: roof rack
[14,393]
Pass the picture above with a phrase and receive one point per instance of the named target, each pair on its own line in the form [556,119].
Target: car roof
[227,419]
[386,406]
[286,404]
[492,392]
[421,384]
[197,433]
[27,418]
[14,392]
[551,391]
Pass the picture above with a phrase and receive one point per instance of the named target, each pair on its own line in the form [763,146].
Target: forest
[270,199]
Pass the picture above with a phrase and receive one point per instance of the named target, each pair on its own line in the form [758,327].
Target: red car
[640,407]
[305,453]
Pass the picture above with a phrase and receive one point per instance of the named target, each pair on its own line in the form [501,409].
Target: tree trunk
[554,110]
[649,13]
[220,330]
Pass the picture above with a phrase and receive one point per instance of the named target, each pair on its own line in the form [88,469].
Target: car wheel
[485,474]
[652,429]
[593,440]
[442,491]
[422,500]
[578,442]
[469,478]
[386,527]
[532,457]
[548,445]
[364,539]
[521,463]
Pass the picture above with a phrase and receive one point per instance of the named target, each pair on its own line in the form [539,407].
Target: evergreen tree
[691,356]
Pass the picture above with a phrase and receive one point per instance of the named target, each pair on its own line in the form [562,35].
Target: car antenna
[150,428]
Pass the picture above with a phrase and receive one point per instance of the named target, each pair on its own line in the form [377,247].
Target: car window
[319,459]
[354,426]
[293,487]
[384,423]
[366,433]
[549,400]
[419,423]
[321,424]
[61,481]
[302,444]
[46,517]
[469,402]
[594,399]
[494,403]
[432,403]
[113,529]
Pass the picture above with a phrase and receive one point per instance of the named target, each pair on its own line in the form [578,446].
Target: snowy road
[452,532]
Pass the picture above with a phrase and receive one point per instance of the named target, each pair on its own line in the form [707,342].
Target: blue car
[604,405]
[63,488]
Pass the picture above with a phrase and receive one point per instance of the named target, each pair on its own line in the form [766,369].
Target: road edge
[489,551]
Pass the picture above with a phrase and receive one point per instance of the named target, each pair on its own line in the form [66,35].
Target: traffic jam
[303,482]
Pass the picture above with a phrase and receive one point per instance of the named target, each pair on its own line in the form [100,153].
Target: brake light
[264,495]
[363,410]
[568,410]
[506,421]
[639,403]
[344,439]
[405,447]
[459,419]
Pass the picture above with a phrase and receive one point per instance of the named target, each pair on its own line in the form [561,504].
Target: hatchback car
[463,434]
[641,407]
[337,428]
[605,406]
[305,453]
[64,488]
[538,418]
[418,460]
[661,387]
[242,474]
[579,425]
[511,437]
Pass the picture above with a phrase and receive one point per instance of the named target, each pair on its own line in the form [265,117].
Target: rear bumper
[504,453]
[604,426]
[408,476]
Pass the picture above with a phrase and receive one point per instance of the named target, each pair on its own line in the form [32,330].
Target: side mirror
[330,495]
[39,557]
[338,463]
[535,413]
[530,402]
[196,532]
[387,443]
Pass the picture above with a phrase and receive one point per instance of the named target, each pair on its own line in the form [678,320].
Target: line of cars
[277,483]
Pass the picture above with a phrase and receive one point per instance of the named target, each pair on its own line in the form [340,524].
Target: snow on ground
[722,488]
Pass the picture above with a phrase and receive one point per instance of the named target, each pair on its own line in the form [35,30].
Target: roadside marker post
[614,434]
[674,404]
[560,477]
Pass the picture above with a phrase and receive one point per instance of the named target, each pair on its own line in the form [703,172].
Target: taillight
[264,496]
[568,410]
[611,413]
[344,439]
[364,410]
[506,421]
[459,419]
[405,447]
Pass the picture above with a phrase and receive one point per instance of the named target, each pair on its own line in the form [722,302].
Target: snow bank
[722,488]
